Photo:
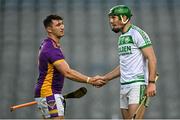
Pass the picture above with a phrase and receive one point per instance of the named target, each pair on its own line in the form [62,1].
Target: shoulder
[46,45]
[139,32]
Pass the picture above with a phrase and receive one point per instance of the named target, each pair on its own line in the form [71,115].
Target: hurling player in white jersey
[137,68]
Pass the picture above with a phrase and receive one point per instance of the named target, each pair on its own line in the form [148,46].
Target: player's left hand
[151,90]
[99,80]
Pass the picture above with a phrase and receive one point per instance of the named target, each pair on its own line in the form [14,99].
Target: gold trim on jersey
[58,61]
[46,89]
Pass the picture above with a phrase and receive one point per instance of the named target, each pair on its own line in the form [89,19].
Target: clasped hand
[98,81]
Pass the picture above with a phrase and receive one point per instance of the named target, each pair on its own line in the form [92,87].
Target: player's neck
[55,39]
[126,27]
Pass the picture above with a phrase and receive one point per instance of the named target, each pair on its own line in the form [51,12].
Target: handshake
[97,81]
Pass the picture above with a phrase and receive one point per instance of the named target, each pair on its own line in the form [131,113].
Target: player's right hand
[98,81]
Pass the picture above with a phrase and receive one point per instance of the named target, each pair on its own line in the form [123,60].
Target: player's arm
[113,74]
[149,54]
[63,67]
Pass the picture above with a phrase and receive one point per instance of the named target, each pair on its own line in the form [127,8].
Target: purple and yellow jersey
[50,81]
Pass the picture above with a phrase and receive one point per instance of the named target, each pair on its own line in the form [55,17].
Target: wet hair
[48,20]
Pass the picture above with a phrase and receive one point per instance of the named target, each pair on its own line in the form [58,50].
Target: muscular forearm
[152,69]
[113,74]
[74,75]
[63,67]
[151,89]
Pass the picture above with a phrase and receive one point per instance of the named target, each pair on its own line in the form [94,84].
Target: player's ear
[49,30]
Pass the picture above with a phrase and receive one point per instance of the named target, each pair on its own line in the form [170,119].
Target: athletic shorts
[132,95]
[51,106]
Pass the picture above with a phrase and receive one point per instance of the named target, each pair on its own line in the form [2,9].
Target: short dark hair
[48,20]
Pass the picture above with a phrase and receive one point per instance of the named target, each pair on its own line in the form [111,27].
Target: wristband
[152,81]
[87,81]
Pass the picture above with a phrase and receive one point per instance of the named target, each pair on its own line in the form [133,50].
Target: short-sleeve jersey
[50,80]
[133,65]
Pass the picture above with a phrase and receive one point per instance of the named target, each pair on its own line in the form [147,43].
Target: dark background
[91,48]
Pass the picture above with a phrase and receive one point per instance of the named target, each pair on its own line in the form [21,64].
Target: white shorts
[51,106]
[131,95]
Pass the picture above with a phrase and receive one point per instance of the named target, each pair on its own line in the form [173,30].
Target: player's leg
[141,112]
[128,113]
[51,106]
[124,113]
[143,107]
[133,108]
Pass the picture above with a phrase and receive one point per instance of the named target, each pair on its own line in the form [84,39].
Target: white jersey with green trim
[133,65]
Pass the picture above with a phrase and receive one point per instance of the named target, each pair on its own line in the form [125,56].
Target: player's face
[115,23]
[57,28]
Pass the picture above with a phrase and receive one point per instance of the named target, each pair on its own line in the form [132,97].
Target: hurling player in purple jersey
[52,70]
